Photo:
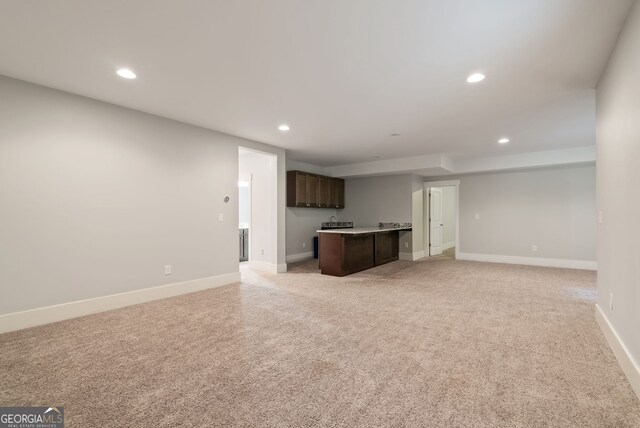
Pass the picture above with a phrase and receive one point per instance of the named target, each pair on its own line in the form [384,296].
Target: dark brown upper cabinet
[324,196]
[314,191]
[337,196]
[298,189]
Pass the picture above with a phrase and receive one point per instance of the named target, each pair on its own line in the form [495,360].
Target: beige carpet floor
[450,252]
[435,343]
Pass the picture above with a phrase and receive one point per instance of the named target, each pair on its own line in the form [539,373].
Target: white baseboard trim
[49,314]
[448,245]
[268,267]
[292,258]
[411,256]
[629,366]
[532,261]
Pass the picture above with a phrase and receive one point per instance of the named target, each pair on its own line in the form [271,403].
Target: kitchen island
[346,251]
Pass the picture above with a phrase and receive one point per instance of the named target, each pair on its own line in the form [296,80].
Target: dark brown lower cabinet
[387,247]
[344,254]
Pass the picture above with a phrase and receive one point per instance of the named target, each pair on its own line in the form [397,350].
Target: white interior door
[435,221]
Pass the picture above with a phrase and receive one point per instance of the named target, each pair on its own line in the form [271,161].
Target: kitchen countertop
[363,230]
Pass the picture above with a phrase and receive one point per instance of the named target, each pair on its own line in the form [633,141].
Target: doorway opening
[257,209]
[441,219]
[244,215]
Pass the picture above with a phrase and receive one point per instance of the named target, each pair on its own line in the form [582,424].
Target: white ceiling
[344,74]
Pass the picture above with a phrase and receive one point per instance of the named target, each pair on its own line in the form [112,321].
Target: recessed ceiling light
[475,78]
[284,127]
[126,73]
[503,140]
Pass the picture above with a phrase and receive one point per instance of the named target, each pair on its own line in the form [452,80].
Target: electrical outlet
[220,217]
[534,248]
[304,245]
[262,252]
[406,245]
[477,216]
[611,301]
[167,269]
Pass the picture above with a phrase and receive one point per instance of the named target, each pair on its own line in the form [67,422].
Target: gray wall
[554,209]
[96,199]
[302,224]
[618,141]
[371,200]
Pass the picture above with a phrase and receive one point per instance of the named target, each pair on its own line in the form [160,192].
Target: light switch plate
[220,217]
[477,216]
[167,269]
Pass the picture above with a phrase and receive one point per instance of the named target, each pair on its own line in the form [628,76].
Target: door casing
[427,207]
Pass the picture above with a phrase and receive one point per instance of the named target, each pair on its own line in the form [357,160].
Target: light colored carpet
[450,252]
[437,343]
